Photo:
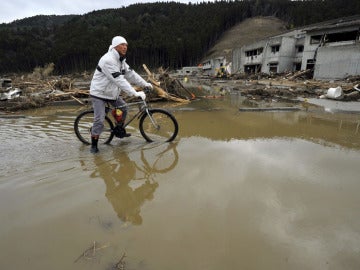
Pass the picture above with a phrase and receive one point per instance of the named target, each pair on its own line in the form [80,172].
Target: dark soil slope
[246,32]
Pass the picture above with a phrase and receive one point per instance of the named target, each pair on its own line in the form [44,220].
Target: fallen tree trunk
[151,76]
[299,74]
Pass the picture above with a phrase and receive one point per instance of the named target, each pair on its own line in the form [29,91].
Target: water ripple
[30,140]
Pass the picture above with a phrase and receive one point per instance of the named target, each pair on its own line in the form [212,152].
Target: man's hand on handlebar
[141,94]
[148,86]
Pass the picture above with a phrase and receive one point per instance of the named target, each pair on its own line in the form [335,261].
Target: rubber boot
[94,144]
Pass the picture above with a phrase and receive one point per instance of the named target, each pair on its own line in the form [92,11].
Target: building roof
[336,23]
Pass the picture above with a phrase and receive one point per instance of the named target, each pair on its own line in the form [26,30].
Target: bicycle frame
[142,110]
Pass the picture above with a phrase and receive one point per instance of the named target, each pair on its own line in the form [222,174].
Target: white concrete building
[282,53]
[211,66]
[331,49]
[188,71]
[335,48]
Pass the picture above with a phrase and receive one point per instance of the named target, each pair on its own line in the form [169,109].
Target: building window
[334,37]
[249,69]
[310,63]
[315,39]
[299,48]
[343,36]
[273,67]
[254,52]
[297,66]
[275,49]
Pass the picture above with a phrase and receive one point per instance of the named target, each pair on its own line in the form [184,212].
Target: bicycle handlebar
[147,90]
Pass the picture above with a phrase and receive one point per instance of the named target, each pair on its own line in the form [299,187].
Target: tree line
[171,35]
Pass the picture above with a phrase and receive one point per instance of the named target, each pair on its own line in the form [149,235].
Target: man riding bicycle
[112,76]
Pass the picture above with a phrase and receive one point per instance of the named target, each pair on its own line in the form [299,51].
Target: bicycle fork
[157,127]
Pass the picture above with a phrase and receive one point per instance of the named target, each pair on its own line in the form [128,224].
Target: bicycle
[155,124]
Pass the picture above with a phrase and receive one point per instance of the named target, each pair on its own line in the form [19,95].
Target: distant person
[112,76]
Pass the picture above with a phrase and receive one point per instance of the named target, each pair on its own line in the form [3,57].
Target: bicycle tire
[166,130]
[83,124]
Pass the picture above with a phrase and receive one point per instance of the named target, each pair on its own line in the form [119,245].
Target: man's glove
[141,94]
[149,85]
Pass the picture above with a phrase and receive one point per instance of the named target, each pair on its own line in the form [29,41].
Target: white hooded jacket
[112,76]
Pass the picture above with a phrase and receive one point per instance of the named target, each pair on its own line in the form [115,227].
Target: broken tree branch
[121,263]
[151,76]
[92,249]
[298,74]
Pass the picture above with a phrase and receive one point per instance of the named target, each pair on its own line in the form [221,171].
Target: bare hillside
[244,33]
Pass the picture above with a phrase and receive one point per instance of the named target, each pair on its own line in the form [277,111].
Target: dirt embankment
[244,33]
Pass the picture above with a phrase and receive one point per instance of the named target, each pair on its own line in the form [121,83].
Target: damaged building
[211,67]
[331,49]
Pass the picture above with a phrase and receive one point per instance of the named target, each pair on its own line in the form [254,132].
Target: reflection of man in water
[125,200]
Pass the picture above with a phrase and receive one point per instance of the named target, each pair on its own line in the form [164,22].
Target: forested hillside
[169,34]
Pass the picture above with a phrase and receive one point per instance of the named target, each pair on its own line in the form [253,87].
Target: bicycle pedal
[120,132]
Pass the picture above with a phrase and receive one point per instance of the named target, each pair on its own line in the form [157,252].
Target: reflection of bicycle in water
[163,158]
[129,184]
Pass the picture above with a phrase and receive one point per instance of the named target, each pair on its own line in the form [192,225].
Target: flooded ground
[236,190]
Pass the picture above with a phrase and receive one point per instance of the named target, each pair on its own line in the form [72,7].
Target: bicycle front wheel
[158,126]
[83,125]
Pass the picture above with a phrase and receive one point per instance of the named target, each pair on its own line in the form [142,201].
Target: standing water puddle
[236,190]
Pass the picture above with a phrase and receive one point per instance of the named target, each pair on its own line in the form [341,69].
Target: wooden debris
[90,252]
[151,77]
[78,100]
[355,95]
[299,74]
[121,263]
[161,92]
[173,85]
[38,88]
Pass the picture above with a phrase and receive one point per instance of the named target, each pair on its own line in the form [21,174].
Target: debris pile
[291,85]
[167,88]
[35,92]
[40,88]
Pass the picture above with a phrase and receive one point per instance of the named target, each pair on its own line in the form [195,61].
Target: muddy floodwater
[236,190]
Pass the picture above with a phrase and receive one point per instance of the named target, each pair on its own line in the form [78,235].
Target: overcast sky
[11,10]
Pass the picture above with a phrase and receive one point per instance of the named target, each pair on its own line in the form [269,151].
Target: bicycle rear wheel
[159,126]
[83,125]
